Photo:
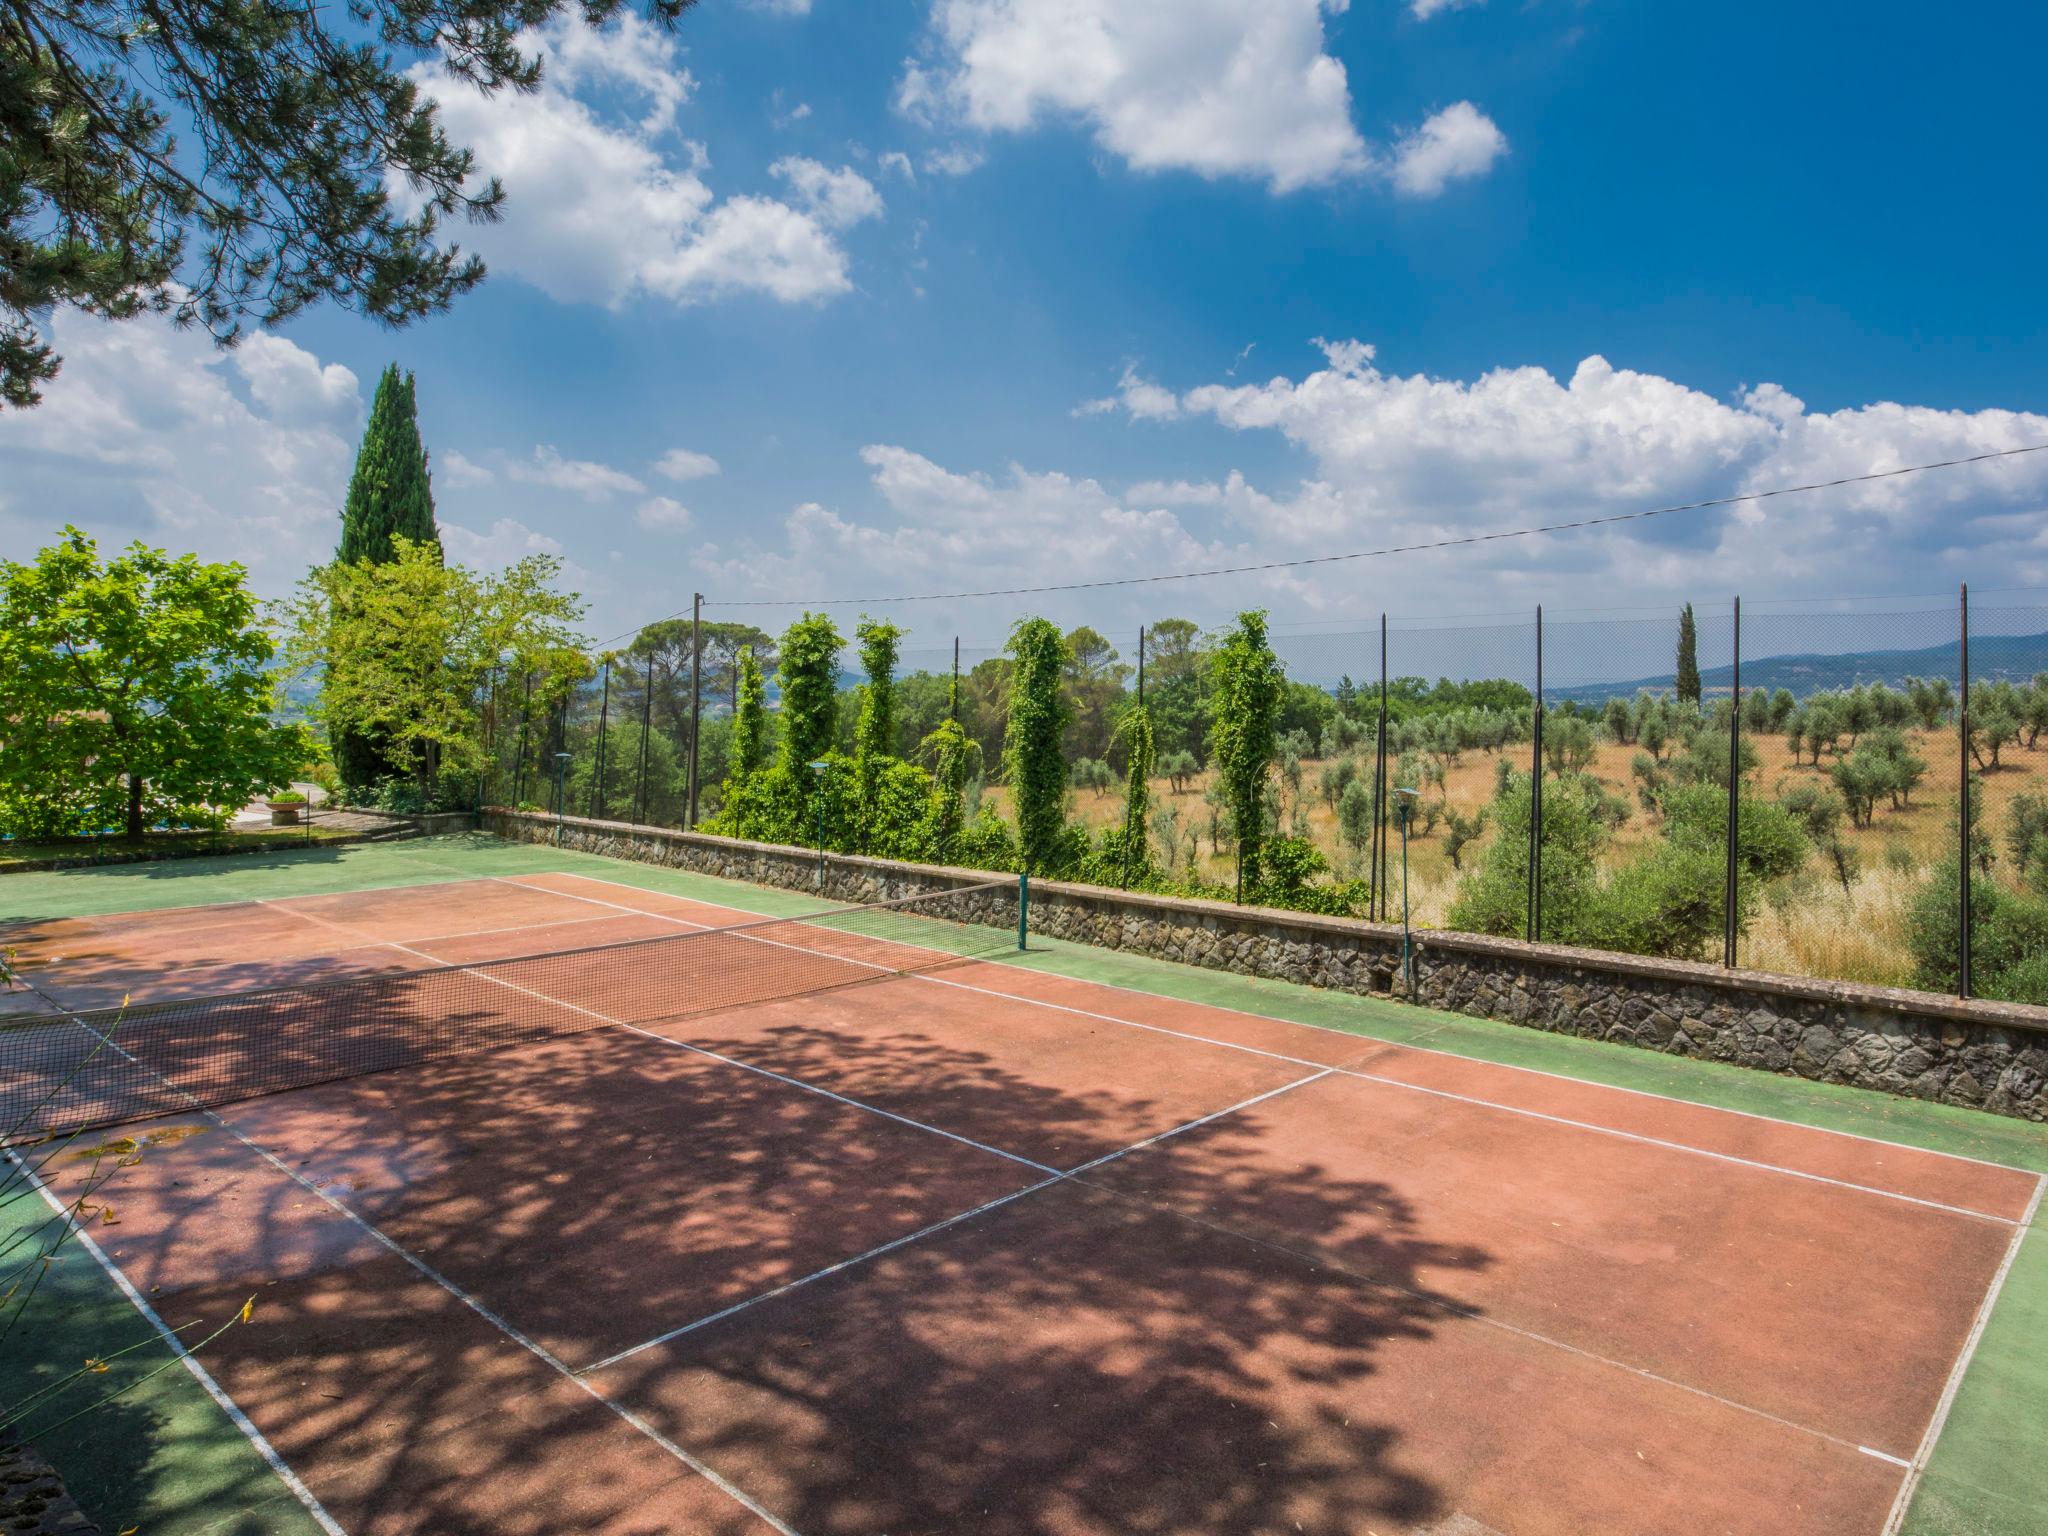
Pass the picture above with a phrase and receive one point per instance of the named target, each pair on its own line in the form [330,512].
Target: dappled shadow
[1073,1360]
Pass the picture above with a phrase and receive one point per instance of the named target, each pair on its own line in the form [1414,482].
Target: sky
[817,300]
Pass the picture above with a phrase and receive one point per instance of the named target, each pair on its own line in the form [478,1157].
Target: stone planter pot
[285,813]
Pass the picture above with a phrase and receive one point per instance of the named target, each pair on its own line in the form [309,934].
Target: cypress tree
[390,491]
[1688,688]
[389,494]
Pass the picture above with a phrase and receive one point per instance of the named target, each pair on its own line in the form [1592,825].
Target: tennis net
[61,1073]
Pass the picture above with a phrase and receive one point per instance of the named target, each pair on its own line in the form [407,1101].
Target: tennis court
[571,1202]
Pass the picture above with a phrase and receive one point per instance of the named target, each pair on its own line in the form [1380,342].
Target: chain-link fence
[1821,789]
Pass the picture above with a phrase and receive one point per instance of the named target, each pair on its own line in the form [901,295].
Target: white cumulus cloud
[579,477]
[662,512]
[604,200]
[1218,87]
[1452,145]
[683,464]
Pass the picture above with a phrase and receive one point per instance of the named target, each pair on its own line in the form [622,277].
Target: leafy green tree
[390,496]
[133,690]
[297,122]
[1176,685]
[1569,744]
[1688,684]
[390,493]
[1245,684]
[750,719]
[1032,759]
[406,650]
[1994,725]
[1095,684]
[808,673]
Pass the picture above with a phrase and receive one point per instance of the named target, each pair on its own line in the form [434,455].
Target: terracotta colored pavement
[1831,1307]
[1075,1363]
[1411,1294]
[93,962]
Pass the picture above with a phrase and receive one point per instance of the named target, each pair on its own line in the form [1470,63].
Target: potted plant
[285,808]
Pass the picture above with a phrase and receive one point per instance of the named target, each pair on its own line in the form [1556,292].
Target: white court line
[1918,1465]
[936,1227]
[830,1269]
[1322,1260]
[467,1300]
[200,1374]
[747,1066]
[1326,1029]
[1584,1125]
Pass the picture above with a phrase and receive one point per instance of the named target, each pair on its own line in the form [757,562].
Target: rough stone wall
[1983,1055]
[32,1498]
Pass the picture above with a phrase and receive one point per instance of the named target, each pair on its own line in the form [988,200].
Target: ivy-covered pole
[1136,730]
[1032,756]
[1245,682]
[873,733]
[749,717]
[809,677]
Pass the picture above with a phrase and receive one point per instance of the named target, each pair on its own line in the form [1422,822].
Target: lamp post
[1404,806]
[818,794]
[561,769]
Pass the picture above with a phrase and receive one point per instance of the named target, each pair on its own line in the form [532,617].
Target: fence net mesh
[61,1073]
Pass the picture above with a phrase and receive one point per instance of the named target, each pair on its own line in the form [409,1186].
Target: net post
[1024,911]
[1728,913]
[1963,807]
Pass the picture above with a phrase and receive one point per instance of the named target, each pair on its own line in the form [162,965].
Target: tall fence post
[1379,790]
[696,700]
[1734,797]
[519,755]
[604,711]
[1134,837]
[1536,796]
[1963,806]
[646,730]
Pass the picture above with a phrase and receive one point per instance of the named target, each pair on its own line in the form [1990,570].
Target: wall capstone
[1982,1055]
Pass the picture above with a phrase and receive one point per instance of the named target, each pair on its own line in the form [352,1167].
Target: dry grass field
[1808,925]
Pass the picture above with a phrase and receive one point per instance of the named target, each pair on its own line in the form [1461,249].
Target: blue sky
[969,293]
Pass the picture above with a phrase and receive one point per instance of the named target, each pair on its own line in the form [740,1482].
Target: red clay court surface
[987,1249]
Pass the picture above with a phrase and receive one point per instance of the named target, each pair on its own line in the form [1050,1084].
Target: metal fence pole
[519,756]
[646,730]
[1963,809]
[696,699]
[604,710]
[1536,796]
[1379,790]
[1734,797]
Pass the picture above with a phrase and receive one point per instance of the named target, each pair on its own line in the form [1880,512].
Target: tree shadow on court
[1076,1359]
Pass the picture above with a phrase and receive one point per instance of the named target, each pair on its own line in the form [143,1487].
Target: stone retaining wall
[32,1498]
[1984,1055]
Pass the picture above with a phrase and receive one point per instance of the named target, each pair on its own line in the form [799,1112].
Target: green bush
[2008,937]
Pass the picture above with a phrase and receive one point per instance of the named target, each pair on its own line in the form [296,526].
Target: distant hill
[1993,658]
